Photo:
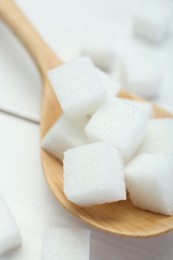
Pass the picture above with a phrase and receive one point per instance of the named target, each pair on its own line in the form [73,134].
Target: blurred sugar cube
[66,244]
[141,75]
[153,19]
[120,123]
[93,174]
[98,44]
[158,137]
[112,87]
[9,232]
[149,180]
[63,135]
[78,87]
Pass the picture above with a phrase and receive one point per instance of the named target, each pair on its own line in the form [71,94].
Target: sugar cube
[93,174]
[112,88]
[78,87]
[140,74]
[120,123]
[66,244]
[149,180]
[153,20]
[9,233]
[63,135]
[98,43]
[158,137]
[145,106]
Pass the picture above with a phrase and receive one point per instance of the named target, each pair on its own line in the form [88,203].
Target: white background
[21,179]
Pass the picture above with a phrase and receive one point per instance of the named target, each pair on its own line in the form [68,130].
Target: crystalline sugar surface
[120,123]
[149,180]
[93,174]
[77,87]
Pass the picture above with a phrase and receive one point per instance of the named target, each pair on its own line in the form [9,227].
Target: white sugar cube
[153,20]
[77,87]
[66,244]
[112,88]
[9,233]
[63,135]
[120,123]
[98,44]
[140,75]
[145,106]
[158,137]
[93,174]
[149,180]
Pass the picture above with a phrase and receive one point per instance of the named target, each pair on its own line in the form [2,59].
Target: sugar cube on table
[120,123]
[112,88]
[152,21]
[9,232]
[149,180]
[66,244]
[158,137]
[63,135]
[93,174]
[98,44]
[78,87]
[140,74]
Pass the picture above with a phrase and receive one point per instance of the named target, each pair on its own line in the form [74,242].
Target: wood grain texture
[118,218]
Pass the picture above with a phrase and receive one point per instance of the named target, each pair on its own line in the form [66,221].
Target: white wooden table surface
[21,178]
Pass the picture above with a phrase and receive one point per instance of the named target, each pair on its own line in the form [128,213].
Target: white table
[21,178]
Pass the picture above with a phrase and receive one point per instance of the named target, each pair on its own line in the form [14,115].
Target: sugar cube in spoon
[149,180]
[158,137]
[93,174]
[63,135]
[78,87]
[145,106]
[120,123]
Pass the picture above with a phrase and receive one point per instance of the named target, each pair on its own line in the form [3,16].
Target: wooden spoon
[118,218]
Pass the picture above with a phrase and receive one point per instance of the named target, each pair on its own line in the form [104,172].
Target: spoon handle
[43,56]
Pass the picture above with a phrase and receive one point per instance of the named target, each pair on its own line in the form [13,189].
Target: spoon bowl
[119,218]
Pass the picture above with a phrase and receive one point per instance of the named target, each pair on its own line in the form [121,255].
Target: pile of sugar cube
[138,70]
[107,144]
